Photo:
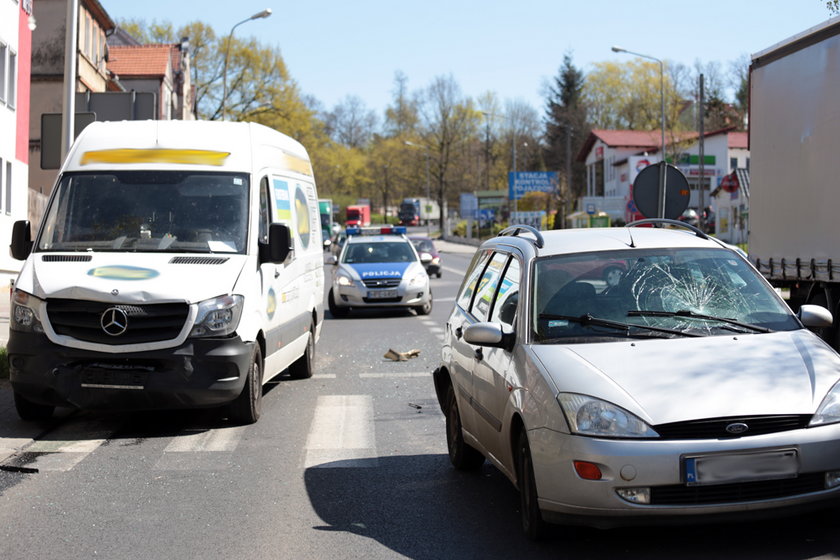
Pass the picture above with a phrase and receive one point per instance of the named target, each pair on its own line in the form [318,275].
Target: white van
[179,264]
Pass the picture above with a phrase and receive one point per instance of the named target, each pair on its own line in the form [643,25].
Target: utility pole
[701,220]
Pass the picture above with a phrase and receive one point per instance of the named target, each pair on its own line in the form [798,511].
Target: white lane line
[443,299]
[342,433]
[324,376]
[220,439]
[395,374]
[65,447]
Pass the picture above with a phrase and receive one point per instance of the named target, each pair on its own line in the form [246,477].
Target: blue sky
[335,48]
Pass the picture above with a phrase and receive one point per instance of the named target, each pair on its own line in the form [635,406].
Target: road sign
[523,182]
[646,192]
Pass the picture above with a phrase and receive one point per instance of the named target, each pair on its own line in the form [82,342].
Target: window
[12,81]
[471,278]
[733,163]
[487,287]
[8,204]
[507,300]
[265,210]
[3,72]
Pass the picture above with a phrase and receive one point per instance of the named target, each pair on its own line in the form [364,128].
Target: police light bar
[384,230]
[354,230]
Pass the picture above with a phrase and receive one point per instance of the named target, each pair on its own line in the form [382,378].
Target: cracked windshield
[664,292]
[149,211]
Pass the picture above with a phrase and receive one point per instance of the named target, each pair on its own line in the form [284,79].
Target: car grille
[382,300]
[382,282]
[680,495]
[715,428]
[146,323]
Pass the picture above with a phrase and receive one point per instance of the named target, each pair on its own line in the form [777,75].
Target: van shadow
[422,508]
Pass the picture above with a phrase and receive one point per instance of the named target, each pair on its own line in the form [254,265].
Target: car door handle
[479,354]
[459,332]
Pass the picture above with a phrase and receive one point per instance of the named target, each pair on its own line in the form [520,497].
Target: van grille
[66,258]
[198,260]
[82,320]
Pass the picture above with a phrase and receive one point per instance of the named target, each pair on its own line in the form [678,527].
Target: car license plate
[741,467]
[382,294]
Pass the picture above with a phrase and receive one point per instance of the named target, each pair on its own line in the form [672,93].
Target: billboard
[523,182]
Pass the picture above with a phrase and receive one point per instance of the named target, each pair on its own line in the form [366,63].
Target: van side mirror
[279,245]
[21,240]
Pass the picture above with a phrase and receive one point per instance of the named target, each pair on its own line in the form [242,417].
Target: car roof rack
[665,221]
[515,229]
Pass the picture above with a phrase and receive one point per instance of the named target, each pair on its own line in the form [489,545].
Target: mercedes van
[179,264]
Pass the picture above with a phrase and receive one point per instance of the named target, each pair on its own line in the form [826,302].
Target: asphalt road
[349,464]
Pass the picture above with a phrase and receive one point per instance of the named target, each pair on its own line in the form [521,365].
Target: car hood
[130,277]
[676,380]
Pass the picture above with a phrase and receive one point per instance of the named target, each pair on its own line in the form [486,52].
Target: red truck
[358,215]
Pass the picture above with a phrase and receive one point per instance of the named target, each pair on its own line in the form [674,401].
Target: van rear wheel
[302,367]
[247,407]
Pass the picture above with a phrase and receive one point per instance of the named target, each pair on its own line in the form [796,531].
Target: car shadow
[422,508]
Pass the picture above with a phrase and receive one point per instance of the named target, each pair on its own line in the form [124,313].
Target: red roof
[143,60]
[738,140]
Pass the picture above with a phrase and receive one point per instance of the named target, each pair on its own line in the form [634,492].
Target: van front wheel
[248,405]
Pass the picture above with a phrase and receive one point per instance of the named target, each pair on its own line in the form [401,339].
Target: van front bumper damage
[199,373]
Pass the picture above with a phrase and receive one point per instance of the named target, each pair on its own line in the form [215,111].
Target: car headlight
[418,280]
[829,410]
[25,313]
[218,316]
[589,416]
[344,280]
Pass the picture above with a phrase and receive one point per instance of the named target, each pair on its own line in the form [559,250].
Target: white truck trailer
[794,133]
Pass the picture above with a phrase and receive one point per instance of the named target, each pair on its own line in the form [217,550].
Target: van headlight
[589,416]
[829,410]
[25,313]
[218,316]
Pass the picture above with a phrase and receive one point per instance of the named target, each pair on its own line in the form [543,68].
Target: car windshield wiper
[588,319]
[692,315]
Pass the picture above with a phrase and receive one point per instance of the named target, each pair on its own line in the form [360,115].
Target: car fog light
[635,495]
[587,470]
[832,479]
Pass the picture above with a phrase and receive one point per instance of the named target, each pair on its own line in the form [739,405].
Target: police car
[378,267]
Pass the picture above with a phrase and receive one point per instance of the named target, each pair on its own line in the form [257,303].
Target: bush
[4,364]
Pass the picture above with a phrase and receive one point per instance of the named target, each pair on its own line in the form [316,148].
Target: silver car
[379,267]
[682,387]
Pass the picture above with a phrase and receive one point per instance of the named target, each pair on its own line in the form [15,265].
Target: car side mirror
[279,245]
[494,335]
[815,316]
[21,244]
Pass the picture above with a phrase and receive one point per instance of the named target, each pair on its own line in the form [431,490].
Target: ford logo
[737,428]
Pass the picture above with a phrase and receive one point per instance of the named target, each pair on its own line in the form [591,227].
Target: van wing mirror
[21,240]
[279,245]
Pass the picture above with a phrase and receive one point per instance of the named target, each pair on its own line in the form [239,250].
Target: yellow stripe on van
[299,165]
[126,155]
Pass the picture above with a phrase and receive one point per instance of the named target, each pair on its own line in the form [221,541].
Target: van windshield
[148,211]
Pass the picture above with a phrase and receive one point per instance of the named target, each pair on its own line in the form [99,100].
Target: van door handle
[459,332]
[276,271]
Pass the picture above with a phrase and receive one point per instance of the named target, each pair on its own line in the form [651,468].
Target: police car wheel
[424,309]
[334,309]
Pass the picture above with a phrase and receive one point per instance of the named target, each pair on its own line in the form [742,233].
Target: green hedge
[4,364]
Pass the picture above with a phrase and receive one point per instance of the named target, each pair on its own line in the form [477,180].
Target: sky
[337,48]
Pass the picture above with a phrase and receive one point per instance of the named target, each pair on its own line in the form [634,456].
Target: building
[614,159]
[161,69]
[48,45]
[16,24]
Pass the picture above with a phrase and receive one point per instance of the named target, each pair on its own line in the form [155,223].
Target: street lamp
[428,186]
[616,49]
[263,14]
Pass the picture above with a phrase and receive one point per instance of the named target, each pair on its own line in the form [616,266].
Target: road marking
[438,300]
[395,374]
[65,447]
[324,376]
[220,439]
[342,433]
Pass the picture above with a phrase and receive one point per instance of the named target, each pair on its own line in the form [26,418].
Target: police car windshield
[379,252]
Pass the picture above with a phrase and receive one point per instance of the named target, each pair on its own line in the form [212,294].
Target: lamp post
[428,186]
[616,49]
[263,14]
[513,153]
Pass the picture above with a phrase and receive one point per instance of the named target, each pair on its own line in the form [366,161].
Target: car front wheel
[462,456]
[532,521]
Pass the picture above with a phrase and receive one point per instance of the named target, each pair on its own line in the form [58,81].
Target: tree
[351,123]
[401,116]
[566,129]
[833,6]
[448,122]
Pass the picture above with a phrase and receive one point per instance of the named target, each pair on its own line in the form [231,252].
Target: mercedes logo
[737,428]
[114,321]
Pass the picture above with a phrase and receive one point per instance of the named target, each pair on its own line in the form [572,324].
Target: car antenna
[630,234]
